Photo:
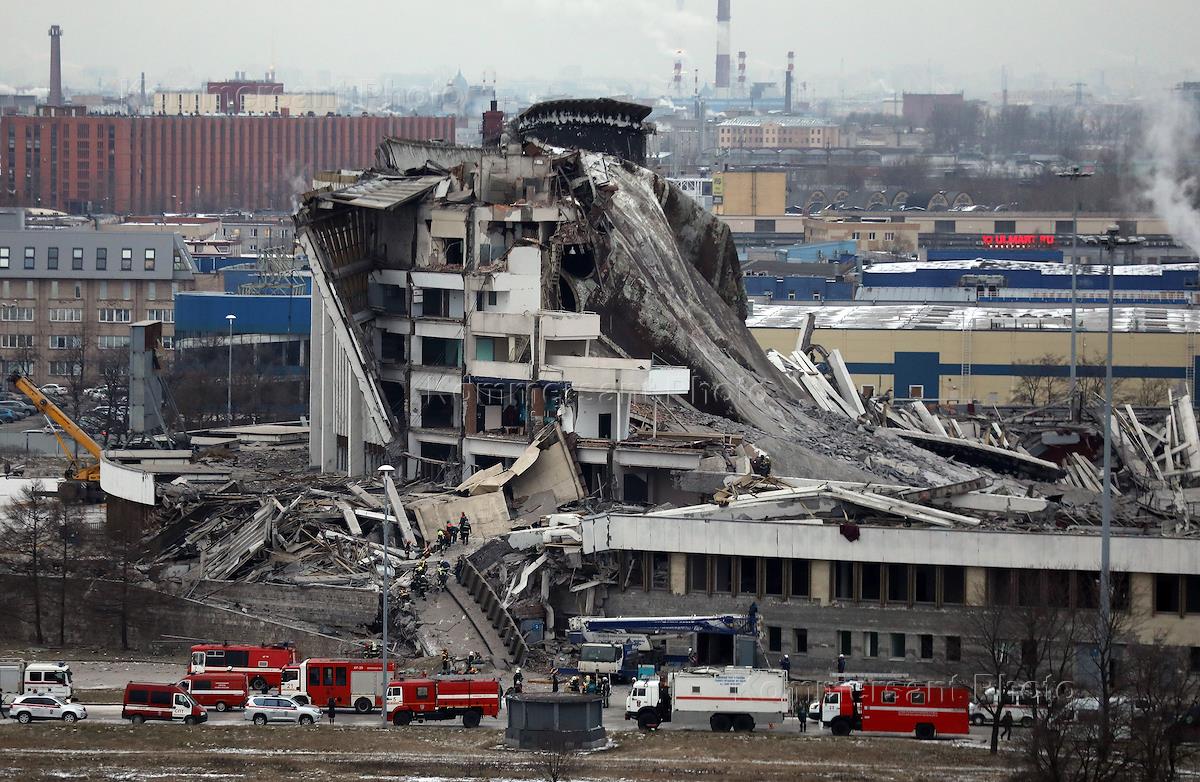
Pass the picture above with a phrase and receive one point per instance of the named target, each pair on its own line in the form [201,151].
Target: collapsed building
[555,337]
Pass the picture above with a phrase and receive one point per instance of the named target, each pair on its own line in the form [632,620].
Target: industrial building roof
[984,264]
[787,122]
[939,317]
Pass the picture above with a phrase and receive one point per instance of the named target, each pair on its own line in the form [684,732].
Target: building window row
[65,341]
[16,340]
[873,582]
[66,314]
[1175,594]
[114,315]
[66,368]
[872,644]
[1030,588]
[77,258]
[165,315]
[109,341]
[15,313]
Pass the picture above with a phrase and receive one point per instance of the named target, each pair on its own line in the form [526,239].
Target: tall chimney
[678,81]
[56,93]
[787,83]
[722,80]
[741,75]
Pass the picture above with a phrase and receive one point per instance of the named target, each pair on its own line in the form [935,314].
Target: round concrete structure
[555,721]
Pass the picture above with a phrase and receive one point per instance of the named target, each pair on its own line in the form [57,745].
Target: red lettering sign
[1018,240]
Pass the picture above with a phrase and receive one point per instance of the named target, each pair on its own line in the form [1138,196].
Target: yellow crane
[87,473]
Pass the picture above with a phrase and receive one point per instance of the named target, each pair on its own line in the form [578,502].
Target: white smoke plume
[1170,183]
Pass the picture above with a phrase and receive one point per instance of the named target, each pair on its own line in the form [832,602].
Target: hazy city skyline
[611,46]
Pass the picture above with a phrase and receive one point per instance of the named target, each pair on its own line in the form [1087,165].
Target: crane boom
[89,472]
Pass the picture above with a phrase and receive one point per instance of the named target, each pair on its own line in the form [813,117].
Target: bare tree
[68,529]
[122,547]
[557,765]
[28,543]
[1038,383]
[994,659]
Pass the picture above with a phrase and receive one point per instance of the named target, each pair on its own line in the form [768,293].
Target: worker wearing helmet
[518,680]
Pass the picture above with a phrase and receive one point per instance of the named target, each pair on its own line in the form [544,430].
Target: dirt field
[162,752]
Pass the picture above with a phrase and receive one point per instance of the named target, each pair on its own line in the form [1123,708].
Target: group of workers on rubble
[445,539]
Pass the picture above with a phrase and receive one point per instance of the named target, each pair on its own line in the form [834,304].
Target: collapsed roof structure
[551,341]
[439,245]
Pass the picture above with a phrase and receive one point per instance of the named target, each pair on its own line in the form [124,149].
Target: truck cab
[648,703]
[838,705]
[601,659]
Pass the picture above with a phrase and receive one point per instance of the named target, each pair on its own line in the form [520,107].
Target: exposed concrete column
[678,569]
[328,380]
[356,444]
[818,581]
[316,384]
[976,586]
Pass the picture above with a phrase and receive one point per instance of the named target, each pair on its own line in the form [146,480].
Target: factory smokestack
[741,74]
[678,76]
[56,93]
[722,81]
[787,83]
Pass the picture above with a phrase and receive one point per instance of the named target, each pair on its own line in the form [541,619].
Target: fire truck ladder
[1189,368]
[965,391]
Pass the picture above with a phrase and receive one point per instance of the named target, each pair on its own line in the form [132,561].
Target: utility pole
[385,472]
[1111,241]
[1075,174]
[229,375]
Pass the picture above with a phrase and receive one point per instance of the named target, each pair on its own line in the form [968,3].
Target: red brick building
[149,164]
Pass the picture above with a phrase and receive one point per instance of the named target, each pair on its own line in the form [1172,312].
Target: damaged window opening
[697,566]
[748,576]
[391,348]
[566,296]
[578,260]
[500,408]
[437,411]
[897,587]
[452,252]
[843,580]
[870,582]
[660,571]
[773,577]
[799,585]
[723,575]
[440,352]
[635,575]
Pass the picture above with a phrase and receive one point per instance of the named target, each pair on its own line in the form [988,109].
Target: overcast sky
[866,47]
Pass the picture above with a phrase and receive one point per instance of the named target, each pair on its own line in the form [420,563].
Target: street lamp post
[1075,174]
[229,375]
[385,473]
[1111,241]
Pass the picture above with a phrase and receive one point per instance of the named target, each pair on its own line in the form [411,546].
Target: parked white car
[54,389]
[27,708]
[262,709]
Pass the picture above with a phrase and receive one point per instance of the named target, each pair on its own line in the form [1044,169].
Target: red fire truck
[443,699]
[357,683]
[925,710]
[263,664]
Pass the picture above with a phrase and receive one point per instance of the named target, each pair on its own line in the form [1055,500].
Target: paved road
[613,720]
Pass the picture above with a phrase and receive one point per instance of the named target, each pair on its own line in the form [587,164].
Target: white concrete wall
[933,546]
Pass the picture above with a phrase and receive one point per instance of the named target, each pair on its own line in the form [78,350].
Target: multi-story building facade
[67,296]
[432,333]
[183,163]
[778,133]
